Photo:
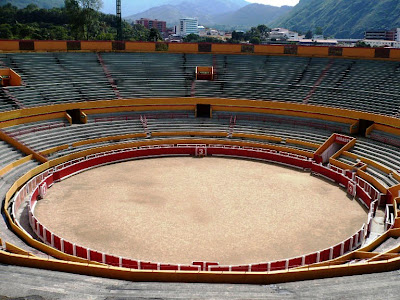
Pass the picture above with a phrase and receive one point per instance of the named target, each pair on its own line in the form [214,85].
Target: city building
[148,23]
[382,43]
[317,42]
[202,30]
[283,34]
[187,26]
[347,42]
[388,35]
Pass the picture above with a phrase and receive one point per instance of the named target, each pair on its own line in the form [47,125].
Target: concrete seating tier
[385,137]
[8,154]
[50,78]
[386,155]
[48,134]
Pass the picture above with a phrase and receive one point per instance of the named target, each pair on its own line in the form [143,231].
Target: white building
[202,30]
[382,43]
[388,35]
[283,34]
[187,26]
[322,42]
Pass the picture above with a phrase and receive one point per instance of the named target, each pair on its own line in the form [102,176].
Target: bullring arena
[185,200]
[200,162]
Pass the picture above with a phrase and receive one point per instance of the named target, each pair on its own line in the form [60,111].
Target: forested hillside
[342,18]
[39,3]
[73,22]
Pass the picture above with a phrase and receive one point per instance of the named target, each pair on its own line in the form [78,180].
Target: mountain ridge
[342,18]
[253,14]
[215,12]
[40,3]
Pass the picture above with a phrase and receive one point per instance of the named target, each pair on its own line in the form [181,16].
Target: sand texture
[177,210]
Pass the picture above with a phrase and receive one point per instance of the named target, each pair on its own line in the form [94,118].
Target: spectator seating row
[51,78]
[43,135]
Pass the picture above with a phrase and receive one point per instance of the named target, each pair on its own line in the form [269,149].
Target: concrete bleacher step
[6,182]
[260,77]
[388,244]
[381,177]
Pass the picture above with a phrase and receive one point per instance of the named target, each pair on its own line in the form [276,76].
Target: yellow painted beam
[14,164]
[20,146]
[14,249]
[328,113]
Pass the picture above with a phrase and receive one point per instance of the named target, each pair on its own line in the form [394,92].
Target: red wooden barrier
[148,266]
[295,262]
[112,260]
[190,268]
[169,267]
[336,251]
[96,256]
[48,237]
[68,248]
[81,252]
[346,246]
[245,268]
[324,255]
[259,267]
[57,242]
[311,259]
[40,231]
[219,268]
[130,263]
[278,265]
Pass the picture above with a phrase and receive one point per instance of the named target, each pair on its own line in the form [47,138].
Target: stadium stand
[297,122]
[321,81]
[48,134]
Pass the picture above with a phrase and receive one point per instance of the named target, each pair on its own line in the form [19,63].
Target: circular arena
[213,209]
[200,162]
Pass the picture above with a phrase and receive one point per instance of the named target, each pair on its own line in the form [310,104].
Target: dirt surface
[178,210]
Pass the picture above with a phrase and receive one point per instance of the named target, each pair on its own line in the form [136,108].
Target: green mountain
[39,3]
[342,18]
[204,10]
[252,15]
[226,13]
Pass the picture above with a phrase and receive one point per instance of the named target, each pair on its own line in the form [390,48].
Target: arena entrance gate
[8,77]
[363,126]
[76,116]
[203,111]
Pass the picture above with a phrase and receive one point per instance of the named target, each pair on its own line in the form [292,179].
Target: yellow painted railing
[14,164]
[320,112]
[21,147]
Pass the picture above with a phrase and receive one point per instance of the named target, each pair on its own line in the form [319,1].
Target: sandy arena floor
[177,210]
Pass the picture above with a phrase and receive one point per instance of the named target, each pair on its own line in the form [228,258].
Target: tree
[264,31]
[238,35]
[138,33]
[252,33]
[255,40]
[191,38]
[84,16]
[309,35]
[154,35]
[5,31]
[362,44]
[8,13]
[76,22]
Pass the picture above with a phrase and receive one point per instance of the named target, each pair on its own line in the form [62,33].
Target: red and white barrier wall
[38,185]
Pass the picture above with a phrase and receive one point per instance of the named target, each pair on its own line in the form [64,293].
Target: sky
[275,2]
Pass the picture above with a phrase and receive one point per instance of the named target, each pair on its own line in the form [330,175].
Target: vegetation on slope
[66,23]
[342,18]
[39,3]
